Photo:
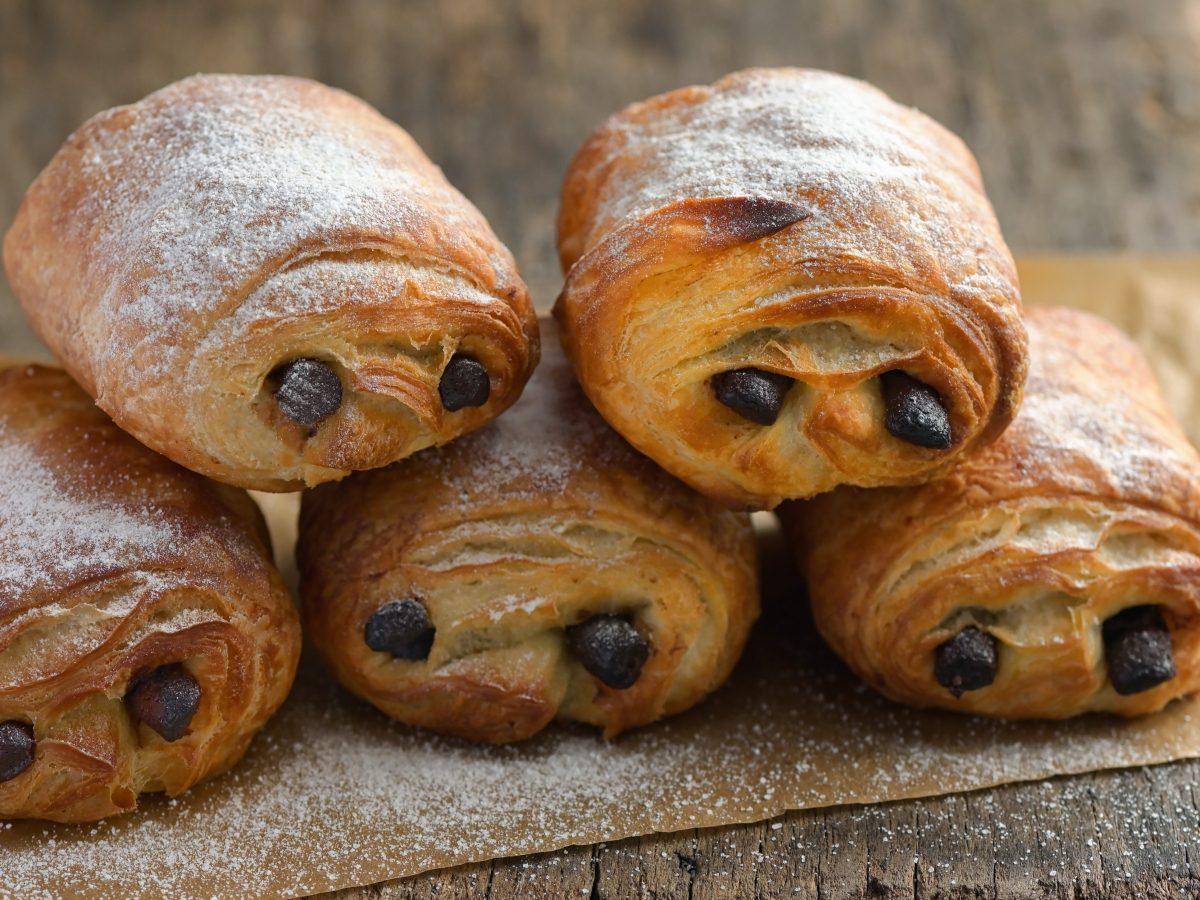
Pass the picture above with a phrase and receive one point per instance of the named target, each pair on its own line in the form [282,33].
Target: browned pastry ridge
[145,635]
[267,281]
[538,568]
[1053,573]
[785,282]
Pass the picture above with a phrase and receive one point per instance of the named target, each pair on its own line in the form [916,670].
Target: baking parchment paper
[332,794]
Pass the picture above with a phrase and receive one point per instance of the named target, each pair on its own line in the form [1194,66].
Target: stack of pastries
[786,287]
[782,290]
[250,282]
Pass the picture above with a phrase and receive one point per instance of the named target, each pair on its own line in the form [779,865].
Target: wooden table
[1086,121]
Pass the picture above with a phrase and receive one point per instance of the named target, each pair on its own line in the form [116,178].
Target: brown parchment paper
[333,795]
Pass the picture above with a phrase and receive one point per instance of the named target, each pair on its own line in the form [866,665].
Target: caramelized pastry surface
[801,226]
[1053,573]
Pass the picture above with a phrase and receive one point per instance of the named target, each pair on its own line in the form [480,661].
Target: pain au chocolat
[145,635]
[785,282]
[537,569]
[1053,573]
[266,280]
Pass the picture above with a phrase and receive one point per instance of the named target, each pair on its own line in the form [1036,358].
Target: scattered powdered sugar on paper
[333,794]
[59,534]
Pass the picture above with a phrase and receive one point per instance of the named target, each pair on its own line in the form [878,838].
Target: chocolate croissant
[269,282]
[537,569]
[1053,573]
[145,635]
[785,282]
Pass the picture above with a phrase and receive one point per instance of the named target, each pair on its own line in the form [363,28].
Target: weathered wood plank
[1085,116]
[1129,834]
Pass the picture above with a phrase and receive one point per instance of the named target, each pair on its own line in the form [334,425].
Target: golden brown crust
[176,251]
[113,562]
[801,223]
[509,535]
[1088,504]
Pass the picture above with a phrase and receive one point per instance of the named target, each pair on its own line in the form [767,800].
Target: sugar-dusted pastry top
[538,568]
[1055,572]
[786,281]
[145,635]
[183,254]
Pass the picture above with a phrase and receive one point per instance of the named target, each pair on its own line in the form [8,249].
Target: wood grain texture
[1085,117]
[1133,835]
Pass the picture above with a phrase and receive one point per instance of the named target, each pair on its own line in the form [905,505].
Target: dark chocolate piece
[401,628]
[464,383]
[915,412]
[165,701]
[966,662]
[752,393]
[1137,647]
[16,749]
[610,648]
[308,391]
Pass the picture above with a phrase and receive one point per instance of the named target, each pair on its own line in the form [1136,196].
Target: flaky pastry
[145,635]
[1053,573]
[267,281]
[785,282]
[538,568]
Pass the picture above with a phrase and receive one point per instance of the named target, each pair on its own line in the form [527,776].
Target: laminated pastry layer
[538,569]
[785,282]
[145,636]
[1055,573]
[269,282]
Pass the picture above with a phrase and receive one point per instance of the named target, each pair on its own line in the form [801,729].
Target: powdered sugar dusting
[51,535]
[534,448]
[882,183]
[502,607]
[1093,413]
[202,190]
[333,794]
